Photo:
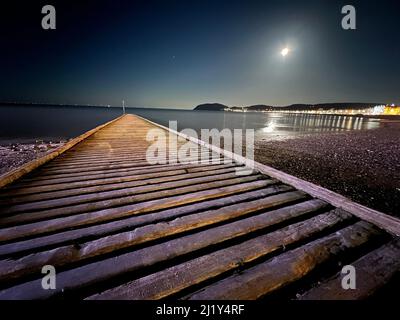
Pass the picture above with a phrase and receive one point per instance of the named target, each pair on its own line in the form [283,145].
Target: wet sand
[361,165]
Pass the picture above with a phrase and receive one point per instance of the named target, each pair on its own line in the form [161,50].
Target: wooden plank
[83,174]
[93,273]
[75,188]
[23,193]
[115,159]
[176,278]
[74,156]
[105,215]
[64,167]
[288,267]
[106,167]
[88,208]
[61,256]
[79,235]
[373,271]
[13,175]
[65,164]
[91,202]
[38,181]
[113,190]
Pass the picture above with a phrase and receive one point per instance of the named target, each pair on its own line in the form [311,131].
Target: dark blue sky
[182,53]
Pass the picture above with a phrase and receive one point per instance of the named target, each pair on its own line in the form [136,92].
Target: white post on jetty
[123,106]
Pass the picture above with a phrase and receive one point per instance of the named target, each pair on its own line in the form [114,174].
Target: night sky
[182,53]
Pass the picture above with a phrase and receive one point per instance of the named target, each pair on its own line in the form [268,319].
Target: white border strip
[380,219]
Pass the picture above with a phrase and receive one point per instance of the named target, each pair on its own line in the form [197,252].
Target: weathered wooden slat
[91,202]
[82,185]
[228,198]
[95,206]
[55,168]
[176,278]
[111,178]
[373,271]
[288,267]
[103,160]
[94,163]
[115,159]
[38,181]
[64,223]
[112,145]
[78,157]
[89,174]
[103,270]
[112,161]
[112,166]
[13,175]
[76,252]
[101,190]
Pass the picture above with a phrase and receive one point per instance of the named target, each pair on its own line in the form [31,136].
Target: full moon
[284,52]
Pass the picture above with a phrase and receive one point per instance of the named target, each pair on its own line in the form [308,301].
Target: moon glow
[284,52]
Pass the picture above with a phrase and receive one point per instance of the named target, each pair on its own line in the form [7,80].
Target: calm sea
[55,123]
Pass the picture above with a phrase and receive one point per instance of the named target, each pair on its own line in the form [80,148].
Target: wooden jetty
[115,226]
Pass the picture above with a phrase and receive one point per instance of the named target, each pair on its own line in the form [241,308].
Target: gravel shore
[361,165]
[14,155]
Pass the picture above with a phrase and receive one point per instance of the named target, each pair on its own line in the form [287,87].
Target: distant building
[392,110]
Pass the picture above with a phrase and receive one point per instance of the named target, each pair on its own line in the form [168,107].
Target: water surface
[55,123]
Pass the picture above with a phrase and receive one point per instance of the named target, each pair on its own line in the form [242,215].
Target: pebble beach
[361,165]
[16,154]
